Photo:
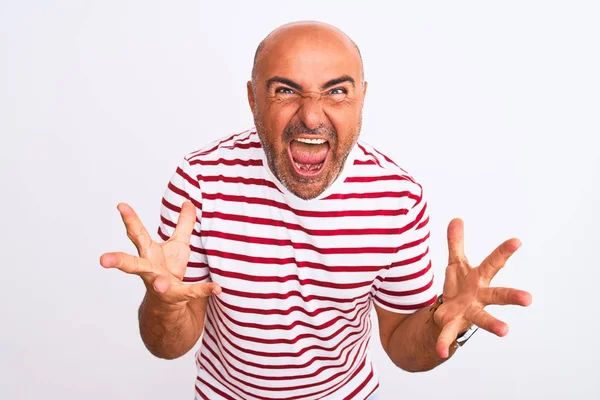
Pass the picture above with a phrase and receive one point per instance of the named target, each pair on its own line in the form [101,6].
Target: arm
[414,342]
[409,340]
[171,316]
[170,332]
[172,313]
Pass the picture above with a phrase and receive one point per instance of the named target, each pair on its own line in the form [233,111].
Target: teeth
[311,141]
[311,167]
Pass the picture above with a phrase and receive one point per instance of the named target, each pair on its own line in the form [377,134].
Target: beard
[276,148]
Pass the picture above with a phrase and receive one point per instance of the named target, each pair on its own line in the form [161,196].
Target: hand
[161,266]
[467,291]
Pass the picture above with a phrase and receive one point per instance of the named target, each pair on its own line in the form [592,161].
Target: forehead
[309,59]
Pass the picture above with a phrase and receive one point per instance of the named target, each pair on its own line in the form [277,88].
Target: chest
[263,245]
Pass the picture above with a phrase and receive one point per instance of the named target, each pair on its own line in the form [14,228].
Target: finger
[185,223]
[448,335]
[493,325]
[126,263]
[504,296]
[136,231]
[456,241]
[497,259]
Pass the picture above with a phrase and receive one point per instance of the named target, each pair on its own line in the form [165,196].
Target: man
[279,240]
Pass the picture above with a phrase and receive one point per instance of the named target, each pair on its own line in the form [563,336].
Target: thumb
[447,337]
[161,284]
[186,292]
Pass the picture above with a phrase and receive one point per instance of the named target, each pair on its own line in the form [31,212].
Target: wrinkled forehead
[309,59]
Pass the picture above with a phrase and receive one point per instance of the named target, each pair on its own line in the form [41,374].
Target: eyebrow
[297,86]
[285,81]
[337,81]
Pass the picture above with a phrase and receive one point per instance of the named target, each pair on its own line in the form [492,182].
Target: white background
[494,107]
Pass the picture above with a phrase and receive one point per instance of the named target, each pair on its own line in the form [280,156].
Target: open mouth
[308,156]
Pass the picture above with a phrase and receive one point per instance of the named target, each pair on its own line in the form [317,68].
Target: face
[307,99]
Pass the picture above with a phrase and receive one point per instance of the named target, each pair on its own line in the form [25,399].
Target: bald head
[307,82]
[318,33]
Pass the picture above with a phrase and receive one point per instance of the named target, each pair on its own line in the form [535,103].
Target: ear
[251,99]
[365,83]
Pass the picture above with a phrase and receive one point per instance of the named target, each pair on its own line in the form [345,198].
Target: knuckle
[495,296]
[136,265]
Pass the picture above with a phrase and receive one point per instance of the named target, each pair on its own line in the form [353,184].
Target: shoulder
[374,165]
[226,147]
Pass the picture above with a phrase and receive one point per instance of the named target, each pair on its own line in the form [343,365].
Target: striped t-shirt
[298,276]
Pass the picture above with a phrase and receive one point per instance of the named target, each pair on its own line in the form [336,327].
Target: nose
[311,111]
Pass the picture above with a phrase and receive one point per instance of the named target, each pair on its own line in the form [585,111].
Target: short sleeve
[407,285]
[184,186]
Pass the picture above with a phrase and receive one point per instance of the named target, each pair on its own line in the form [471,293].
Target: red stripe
[314,232]
[366,153]
[168,222]
[193,264]
[288,388]
[244,146]
[291,260]
[405,307]
[276,311]
[359,368]
[305,365]
[170,206]
[285,296]
[185,194]
[162,235]
[188,178]
[288,278]
[223,161]
[409,276]
[217,375]
[388,160]
[365,179]
[415,243]
[306,246]
[202,395]
[285,377]
[372,195]
[214,389]
[211,316]
[215,147]
[299,264]
[237,179]
[303,213]
[174,208]
[365,162]
[420,195]
[406,292]
[361,350]
[372,391]
[422,224]
[173,225]
[296,323]
[303,246]
[360,387]
[411,260]
[350,378]
[193,279]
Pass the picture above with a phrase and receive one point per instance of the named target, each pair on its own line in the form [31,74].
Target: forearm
[168,332]
[412,345]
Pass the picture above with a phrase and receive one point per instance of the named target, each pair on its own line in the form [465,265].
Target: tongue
[305,153]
